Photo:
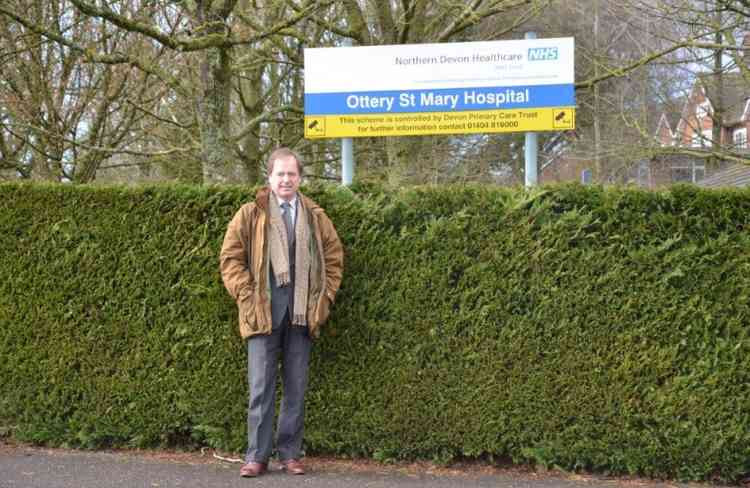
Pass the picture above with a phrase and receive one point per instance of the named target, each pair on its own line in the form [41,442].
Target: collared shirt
[292,204]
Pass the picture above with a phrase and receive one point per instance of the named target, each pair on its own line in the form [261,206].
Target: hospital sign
[455,88]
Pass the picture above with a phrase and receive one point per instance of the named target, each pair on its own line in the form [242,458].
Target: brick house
[695,127]
[694,132]
[685,149]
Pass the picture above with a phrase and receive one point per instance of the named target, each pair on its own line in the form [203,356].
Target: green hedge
[581,327]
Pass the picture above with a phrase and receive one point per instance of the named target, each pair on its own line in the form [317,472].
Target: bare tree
[189,48]
[714,63]
[202,90]
[72,115]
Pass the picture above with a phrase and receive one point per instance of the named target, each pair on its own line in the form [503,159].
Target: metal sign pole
[347,149]
[530,145]
[347,161]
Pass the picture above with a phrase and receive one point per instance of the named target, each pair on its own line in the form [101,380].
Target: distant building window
[688,172]
[740,138]
[586,176]
[681,175]
[702,139]
[703,109]
[695,141]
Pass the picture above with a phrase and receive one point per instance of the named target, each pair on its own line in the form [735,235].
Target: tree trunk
[717,117]
[217,149]
[213,112]
[597,129]
[253,107]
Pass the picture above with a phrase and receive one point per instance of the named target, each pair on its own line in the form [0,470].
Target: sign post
[347,150]
[530,147]
[347,161]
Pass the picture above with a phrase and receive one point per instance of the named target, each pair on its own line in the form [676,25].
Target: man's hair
[280,153]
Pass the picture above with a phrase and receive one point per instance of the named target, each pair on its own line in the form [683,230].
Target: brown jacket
[244,264]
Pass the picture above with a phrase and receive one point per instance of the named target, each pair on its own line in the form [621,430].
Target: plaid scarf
[279,250]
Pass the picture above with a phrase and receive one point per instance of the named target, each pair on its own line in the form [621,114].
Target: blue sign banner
[440,100]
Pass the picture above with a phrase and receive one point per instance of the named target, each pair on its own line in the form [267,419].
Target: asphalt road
[30,467]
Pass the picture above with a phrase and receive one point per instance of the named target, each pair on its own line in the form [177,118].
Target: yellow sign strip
[415,124]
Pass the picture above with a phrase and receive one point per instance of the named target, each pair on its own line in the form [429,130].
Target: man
[282,262]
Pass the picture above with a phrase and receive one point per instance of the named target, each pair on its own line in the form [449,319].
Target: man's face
[285,178]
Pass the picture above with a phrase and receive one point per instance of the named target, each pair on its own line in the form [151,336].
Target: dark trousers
[293,344]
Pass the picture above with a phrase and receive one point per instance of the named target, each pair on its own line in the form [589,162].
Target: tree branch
[160,118]
[183,44]
[93,57]
[127,24]
[266,116]
[89,147]
[470,16]
[622,71]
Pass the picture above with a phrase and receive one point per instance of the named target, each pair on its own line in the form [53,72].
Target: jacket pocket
[247,317]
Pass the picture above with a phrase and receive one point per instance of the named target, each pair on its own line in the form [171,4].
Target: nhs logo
[542,53]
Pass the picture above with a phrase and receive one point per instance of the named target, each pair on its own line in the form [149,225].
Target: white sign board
[415,89]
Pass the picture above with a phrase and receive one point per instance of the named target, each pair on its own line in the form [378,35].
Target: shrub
[582,327]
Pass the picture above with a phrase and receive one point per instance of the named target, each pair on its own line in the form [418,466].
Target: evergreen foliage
[580,327]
